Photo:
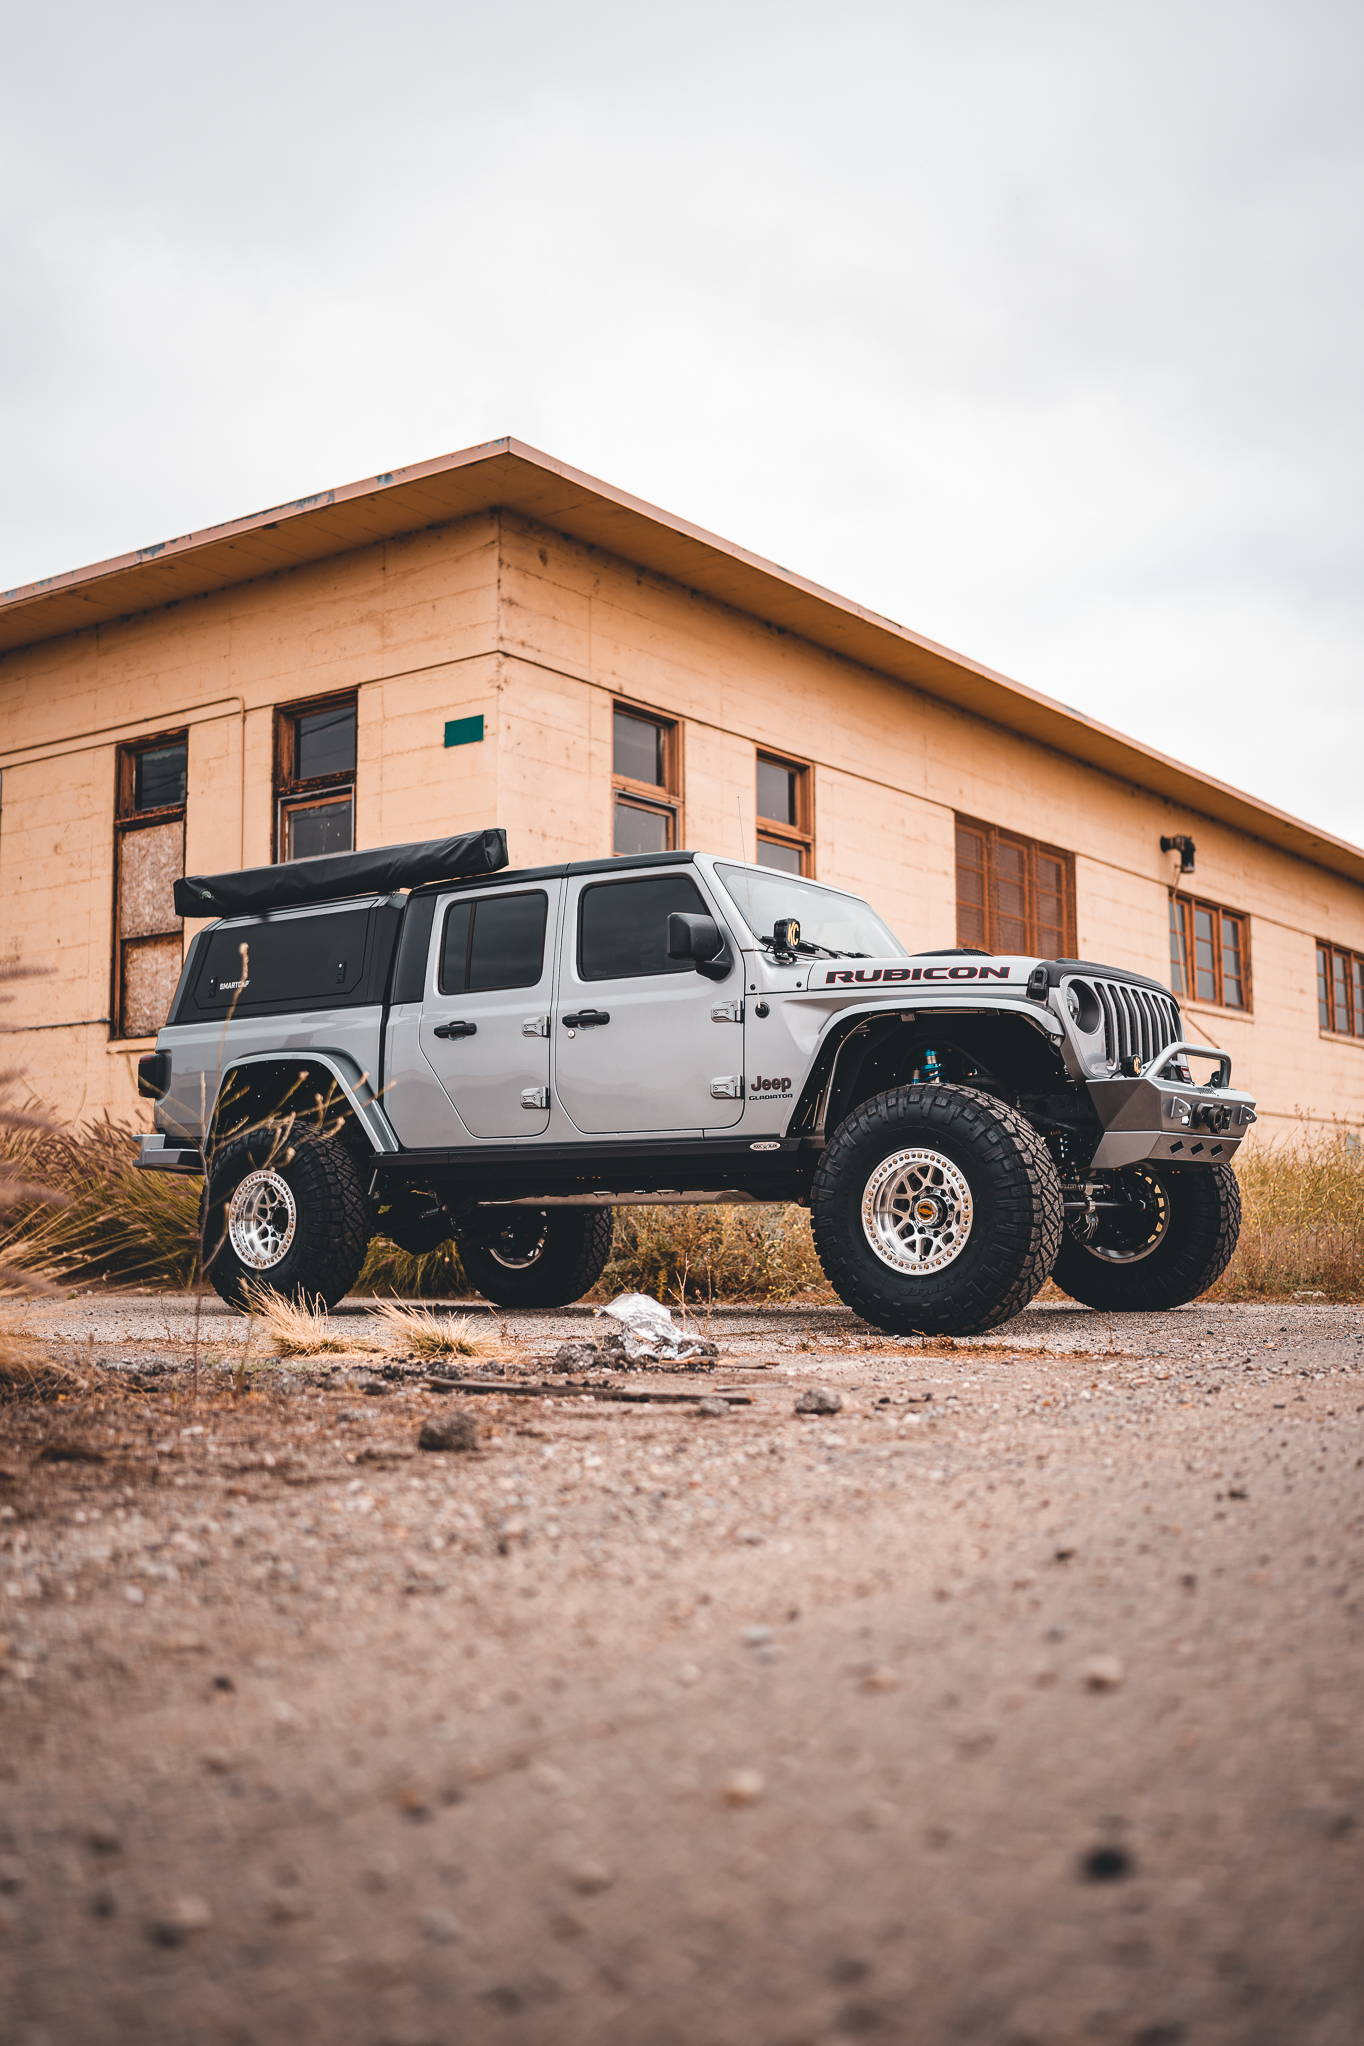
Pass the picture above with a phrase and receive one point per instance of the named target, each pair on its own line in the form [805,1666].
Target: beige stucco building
[492,637]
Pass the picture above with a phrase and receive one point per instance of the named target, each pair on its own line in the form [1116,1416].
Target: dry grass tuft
[299,1328]
[697,1255]
[418,1332]
[1303,1223]
[28,1373]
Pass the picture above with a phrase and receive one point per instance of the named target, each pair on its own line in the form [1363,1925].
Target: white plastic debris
[648,1331]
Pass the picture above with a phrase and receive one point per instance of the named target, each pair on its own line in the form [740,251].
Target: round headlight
[1082,1004]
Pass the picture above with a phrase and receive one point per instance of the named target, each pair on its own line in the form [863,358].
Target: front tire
[936,1210]
[289,1215]
[1173,1238]
[536,1257]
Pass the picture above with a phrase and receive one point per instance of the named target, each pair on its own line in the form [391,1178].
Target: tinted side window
[494,942]
[623,926]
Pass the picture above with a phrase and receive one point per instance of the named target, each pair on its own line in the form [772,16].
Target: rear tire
[536,1257]
[1178,1239]
[289,1215]
[936,1210]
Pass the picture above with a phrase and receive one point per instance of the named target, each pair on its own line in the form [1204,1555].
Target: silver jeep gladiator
[419,1043]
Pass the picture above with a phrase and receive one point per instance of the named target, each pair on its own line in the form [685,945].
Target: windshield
[833,923]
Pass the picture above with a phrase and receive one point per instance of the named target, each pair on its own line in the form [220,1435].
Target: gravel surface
[1011,1698]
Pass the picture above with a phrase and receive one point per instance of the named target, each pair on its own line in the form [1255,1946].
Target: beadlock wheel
[262,1217]
[917,1212]
[1137,1230]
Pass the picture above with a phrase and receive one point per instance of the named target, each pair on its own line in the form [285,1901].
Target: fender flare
[352,1083]
[807,1117]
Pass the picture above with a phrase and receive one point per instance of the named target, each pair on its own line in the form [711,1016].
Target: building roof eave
[506,474]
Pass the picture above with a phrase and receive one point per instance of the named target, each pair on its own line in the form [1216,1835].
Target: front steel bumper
[1147,1115]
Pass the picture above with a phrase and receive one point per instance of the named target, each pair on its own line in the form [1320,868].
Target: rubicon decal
[864,974]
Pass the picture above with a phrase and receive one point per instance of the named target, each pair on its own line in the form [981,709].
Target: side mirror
[699,939]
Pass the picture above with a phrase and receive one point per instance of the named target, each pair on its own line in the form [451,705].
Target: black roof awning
[295,883]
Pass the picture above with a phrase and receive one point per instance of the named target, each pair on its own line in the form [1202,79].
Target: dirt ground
[1018,1702]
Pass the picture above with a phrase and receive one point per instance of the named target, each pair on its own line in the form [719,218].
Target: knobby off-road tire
[961,1196]
[1179,1239]
[290,1215]
[536,1257]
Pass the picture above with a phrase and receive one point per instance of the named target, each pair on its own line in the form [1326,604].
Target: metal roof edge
[509,474]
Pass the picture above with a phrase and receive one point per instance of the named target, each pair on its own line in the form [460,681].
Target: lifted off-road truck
[419,1043]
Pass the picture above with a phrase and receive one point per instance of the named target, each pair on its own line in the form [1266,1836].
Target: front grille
[1138,1022]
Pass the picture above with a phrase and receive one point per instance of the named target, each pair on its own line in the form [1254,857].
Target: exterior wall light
[1184,846]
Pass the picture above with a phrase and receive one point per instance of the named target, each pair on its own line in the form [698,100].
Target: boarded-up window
[1013,895]
[149,857]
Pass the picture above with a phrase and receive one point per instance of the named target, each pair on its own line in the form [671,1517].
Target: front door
[641,1041]
[485,1020]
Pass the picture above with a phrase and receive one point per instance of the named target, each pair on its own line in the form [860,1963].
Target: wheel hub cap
[917,1212]
[262,1217]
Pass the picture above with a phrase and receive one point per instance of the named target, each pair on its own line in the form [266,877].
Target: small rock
[104,1837]
[375,1389]
[712,1409]
[456,1430]
[1102,1673]
[439,1929]
[1105,1865]
[742,1787]
[185,1916]
[580,1356]
[590,1878]
[879,1679]
[820,1399]
[13,1874]
[104,1901]
[1308,1293]
[756,1637]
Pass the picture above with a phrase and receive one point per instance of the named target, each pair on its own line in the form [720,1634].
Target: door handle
[454,1030]
[585,1018]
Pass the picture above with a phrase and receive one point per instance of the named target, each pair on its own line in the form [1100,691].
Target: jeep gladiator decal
[846,975]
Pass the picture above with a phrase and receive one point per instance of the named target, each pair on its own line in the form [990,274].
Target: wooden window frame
[659,798]
[294,791]
[993,834]
[770,830]
[1183,909]
[127,820]
[1330,1024]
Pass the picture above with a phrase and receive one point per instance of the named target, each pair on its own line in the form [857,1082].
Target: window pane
[773,853]
[1323,987]
[1340,991]
[1205,957]
[324,743]
[971,928]
[1357,989]
[509,941]
[778,792]
[640,829]
[311,829]
[149,970]
[623,926]
[1233,991]
[1050,934]
[1011,896]
[639,749]
[1179,965]
[454,948]
[159,776]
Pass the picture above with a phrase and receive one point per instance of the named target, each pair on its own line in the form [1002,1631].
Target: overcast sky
[1034,326]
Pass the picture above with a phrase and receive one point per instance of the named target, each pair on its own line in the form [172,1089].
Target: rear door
[484,1027]
[643,1042]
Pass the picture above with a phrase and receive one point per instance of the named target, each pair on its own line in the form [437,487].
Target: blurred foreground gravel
[1016,1702]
